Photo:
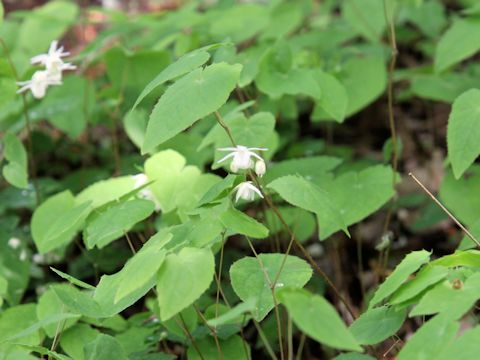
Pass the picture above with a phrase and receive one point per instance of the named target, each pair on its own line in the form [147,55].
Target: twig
[212,331]
[184,327]
[390,96]
[445,210]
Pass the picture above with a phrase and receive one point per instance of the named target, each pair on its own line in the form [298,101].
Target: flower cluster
[242,160]
[52,75]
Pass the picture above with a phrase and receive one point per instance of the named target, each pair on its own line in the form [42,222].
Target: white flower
[39,83]
[260,168]
[246,191]
[53,61]
[140,180]
[241,157]
[14,243]
[38,258]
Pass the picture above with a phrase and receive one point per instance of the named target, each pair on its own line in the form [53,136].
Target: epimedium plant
[131,265]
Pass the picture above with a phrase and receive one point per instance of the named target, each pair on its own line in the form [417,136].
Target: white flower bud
[260,168]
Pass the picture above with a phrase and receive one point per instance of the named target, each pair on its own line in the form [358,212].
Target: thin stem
[290,337]
[212,331]
[445,210]
[275,302]
[390,99]
[225,127]
[58,332]
[265,341]
[130,244]
[303,337]
[184,327]
[219,278]
[31,161]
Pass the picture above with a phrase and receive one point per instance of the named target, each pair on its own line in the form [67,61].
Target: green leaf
[1,13]
[356,195]
[104,347]
[105,191]
[194,96]
[223,187]
[183,65]
[317,318]
[407,266]
[45,23]
[465,347]
[248,278]
[15,172]
[73,340]
[367,17]
[444,87]
[426,277]
[365,79]
[300,221]
[314,168]
[306,195]
[72,280]
[106,290]
[49,305]
[353,356]
[334,101]
[115,221]
[241,223]
[232,348]
[446,299]
[470,258]
[430,340]
[376,325]
[233,314]
[460,196]
[175,185]
[79,302]
[459,42]
[239,22]
[16,319]
[182,278]
[68,107]
[56,221]
[463,131]
[139,270]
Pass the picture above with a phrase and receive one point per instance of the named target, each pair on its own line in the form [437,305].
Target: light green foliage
[306,195]
[239,223]
[139,270]
[449,300]
[48,306]
[426,277]
[317,318]
[16,319]
[190,98]
[182,278]
[105,191]
[104,347]
[366,17]
[365,79]
[356,195]
[73,340]
[464,131]
[376,325]
[68,107]
[44,24]
[115,221]
[175,184]
[334,100]
[430,340]
[459,196]
[56,221]
[465,347]
[459,42]
[183,65]
[252,278]
[15,172]
[231,348]
[409,264]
